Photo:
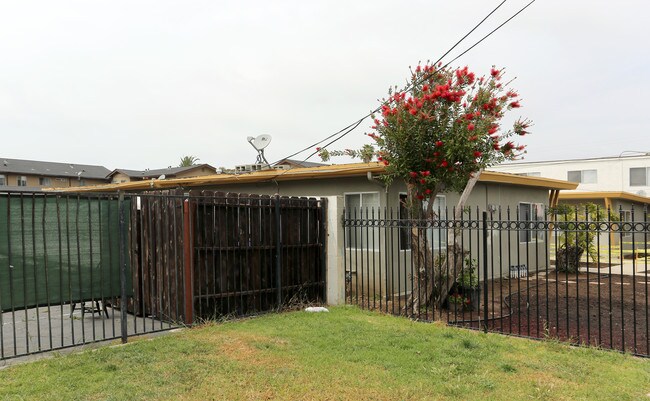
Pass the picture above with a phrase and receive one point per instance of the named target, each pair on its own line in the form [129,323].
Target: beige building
[31,175]
[118,176]
[359,188]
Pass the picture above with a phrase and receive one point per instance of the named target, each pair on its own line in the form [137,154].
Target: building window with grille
[21,181]
[583,176]
[529,215]
[359,206]
[639,176]
[3,180]
[44,181]
[437,237]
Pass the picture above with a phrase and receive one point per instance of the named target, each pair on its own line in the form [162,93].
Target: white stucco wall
[613,173]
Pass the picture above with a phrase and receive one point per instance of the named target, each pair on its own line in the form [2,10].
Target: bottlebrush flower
[470,127]
[477,153]
[413,174]
[439,143]
[515,105]
[444,163]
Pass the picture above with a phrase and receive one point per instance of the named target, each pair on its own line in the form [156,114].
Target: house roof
[300,163]
[322,172]
[587,195]
[52,169]
[168,172]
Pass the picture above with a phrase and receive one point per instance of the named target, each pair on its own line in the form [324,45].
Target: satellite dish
[259,143]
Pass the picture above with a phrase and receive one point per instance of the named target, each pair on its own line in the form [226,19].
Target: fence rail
[541,276]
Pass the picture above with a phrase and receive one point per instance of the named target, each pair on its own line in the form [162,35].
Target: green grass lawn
[346,354]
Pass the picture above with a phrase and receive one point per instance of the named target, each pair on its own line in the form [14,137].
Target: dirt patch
[608,311]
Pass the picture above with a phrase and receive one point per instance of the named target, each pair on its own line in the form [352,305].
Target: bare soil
[608,311]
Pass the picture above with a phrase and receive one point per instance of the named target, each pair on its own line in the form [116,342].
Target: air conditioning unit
[247,168]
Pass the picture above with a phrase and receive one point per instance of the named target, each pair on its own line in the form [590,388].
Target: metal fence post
[278,251]
[485,272]
[323,233]
[188,298]
[122,239]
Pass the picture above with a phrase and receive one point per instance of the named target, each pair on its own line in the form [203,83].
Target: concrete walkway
[42,329]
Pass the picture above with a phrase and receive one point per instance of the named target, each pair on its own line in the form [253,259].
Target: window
[3,180]
[583,176]
[359,205]
[639,176]
[437,237]
[627,217]
[44,181]
[530,213]
[21,181]
[82,183]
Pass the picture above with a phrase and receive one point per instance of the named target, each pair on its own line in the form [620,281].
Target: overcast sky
[138,84]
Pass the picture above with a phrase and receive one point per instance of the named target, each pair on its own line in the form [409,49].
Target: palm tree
[187,161]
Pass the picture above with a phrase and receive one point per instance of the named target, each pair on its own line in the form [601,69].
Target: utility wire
[489,34]
[343,132]
[355,124]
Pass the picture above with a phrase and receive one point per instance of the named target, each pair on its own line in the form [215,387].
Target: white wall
[613,173]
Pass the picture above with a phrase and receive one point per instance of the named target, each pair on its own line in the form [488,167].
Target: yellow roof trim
[528,181]
[320,172]
[584,195]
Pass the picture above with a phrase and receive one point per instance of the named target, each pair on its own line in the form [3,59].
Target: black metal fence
[82,268]
[579,277]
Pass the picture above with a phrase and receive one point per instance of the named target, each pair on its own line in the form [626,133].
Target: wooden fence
[209,254]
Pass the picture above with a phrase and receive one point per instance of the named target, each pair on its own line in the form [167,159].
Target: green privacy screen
[56,250]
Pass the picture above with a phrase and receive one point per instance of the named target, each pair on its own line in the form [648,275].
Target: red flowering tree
[438,135]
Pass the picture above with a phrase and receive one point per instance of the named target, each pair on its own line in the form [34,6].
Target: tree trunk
[434,275]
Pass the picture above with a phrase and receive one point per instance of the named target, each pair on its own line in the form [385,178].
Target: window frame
[403,246]
[582,176]
[21,181]
[348,240]
[647,170]
[3,180]
[44,181]
[532,235]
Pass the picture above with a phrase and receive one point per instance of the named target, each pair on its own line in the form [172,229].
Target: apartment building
[31,175]
[630,174]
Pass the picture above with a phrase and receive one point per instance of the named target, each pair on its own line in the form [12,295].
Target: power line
[343,132]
